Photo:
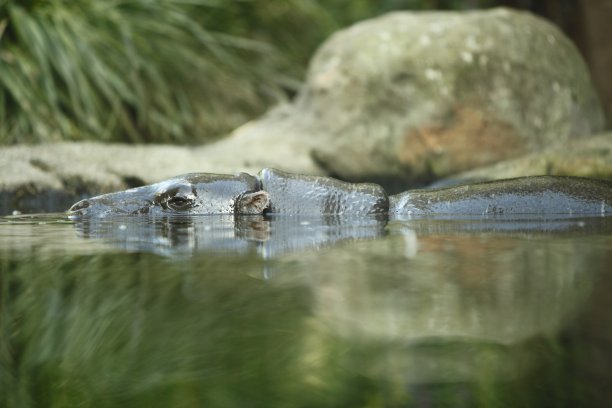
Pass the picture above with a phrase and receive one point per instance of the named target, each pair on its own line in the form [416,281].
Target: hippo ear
[252,203]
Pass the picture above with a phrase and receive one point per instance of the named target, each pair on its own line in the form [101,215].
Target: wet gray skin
[286,193]
[312,195]
[194,193]
[525,195]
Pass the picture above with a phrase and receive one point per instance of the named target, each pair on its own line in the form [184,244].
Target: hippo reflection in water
[278,192]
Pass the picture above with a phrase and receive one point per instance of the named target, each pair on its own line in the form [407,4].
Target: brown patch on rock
[469,138]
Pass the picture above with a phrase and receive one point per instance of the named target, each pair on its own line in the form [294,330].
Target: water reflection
[267,236]
[273,236]
[461,306]
[420,312]
[555,225]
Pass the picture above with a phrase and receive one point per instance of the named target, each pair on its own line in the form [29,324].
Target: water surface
[305,312]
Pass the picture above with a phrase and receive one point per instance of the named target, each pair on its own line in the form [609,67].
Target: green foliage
[177,71]
[123,70]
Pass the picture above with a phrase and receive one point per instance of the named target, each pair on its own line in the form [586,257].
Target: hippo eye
[179,203]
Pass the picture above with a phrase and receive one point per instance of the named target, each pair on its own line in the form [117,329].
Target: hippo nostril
[81,205]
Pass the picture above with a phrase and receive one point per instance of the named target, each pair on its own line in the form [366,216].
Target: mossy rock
[412,97]
[417,96]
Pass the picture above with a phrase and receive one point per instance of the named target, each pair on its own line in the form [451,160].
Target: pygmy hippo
[278,192]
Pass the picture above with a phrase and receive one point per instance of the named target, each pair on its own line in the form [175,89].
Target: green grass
[166,71]
[115,70]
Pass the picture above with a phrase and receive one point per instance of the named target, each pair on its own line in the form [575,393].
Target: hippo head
[194,193]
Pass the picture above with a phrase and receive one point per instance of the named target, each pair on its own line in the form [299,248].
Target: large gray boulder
[412,97]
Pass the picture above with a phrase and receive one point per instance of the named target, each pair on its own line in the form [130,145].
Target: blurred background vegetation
[187,71]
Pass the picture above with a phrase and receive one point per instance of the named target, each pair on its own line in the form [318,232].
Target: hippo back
[313,195]
[524,195]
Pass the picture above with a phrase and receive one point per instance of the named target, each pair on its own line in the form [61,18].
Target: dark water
[293,312]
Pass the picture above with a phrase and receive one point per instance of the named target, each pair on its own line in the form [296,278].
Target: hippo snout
[79,208]
[124,203]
